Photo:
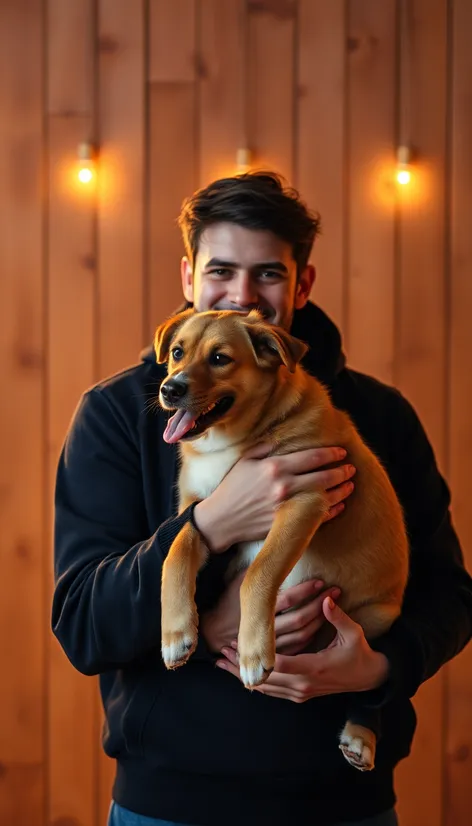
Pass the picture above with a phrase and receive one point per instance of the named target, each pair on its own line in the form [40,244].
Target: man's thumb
[345,626]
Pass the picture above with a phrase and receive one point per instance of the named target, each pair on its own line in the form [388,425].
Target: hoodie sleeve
[436,620]
[107,572]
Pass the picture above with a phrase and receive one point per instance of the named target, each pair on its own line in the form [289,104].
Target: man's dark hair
[254,200]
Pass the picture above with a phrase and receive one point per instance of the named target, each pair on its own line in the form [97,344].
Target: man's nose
[174,390]
[243,291]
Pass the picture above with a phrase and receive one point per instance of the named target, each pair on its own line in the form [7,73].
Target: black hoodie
[193,745]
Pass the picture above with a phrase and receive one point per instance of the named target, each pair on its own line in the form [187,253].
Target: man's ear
[269,342]
[165,333]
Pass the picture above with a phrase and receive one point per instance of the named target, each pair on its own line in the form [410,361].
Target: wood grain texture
[271,85]
[22,368]
[321,162]
[70,43]
[458,796]
[371,135]
[221,68]
[171,62]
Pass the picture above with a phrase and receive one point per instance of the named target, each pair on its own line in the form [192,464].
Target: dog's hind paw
[358,747]
[177,647]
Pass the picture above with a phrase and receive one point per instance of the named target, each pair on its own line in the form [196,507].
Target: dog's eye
[219,359]
[177,353]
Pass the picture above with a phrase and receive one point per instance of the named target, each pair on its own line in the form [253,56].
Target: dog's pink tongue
[178,425]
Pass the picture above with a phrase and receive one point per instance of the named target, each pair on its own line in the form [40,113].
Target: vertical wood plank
[222,72]
[171,21]
[321,141]
[421,344]
[70,45]
[457,805]
[122,107]
[371,125]
[271,85]
[72,707]
[121,181]
[172,149]
[22,367]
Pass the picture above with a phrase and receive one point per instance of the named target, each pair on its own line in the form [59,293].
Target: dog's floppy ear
[165,333]
[269,342]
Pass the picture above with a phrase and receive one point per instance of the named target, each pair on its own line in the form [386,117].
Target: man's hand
[242,507]
[348,664]
[293,629]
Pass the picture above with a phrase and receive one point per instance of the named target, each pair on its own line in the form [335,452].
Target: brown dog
[235,381]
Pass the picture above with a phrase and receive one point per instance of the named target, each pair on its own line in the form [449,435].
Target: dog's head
[222,367]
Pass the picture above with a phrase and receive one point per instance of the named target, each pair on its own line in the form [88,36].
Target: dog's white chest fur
[205,471]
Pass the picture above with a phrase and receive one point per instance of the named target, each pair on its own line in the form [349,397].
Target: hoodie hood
[325,357]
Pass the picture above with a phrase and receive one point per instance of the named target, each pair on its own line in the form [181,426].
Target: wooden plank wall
[171,89]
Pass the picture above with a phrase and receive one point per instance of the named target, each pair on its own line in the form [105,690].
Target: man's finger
[297,620]
[339,493]
[295,642]
[302,461]
[293,597]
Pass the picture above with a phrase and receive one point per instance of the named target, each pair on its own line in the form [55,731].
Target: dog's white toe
[176,649]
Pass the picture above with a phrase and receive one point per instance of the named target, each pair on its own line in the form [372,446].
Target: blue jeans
[122,817]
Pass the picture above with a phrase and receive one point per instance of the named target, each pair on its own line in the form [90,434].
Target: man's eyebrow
[263,265]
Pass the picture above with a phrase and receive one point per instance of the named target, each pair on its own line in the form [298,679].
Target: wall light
[403,165]
[87,163]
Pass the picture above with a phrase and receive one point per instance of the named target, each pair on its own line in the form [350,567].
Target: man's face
[244,269]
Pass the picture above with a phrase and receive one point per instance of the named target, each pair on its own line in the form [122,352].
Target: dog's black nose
[174,390]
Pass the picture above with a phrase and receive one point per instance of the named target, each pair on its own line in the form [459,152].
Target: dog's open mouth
[186,425]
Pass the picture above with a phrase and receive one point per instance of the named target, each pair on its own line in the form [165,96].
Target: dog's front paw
[178,646]
[358,746]
[254,670]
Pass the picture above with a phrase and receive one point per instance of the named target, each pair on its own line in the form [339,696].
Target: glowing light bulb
[86,170]
[403,176]
[85,175]
[403,163]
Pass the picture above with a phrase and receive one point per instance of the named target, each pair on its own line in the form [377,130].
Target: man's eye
[219,359]
[177,353]
[270,275]
[220,272]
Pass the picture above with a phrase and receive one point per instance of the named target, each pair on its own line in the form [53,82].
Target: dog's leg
[294,524]
[358,739]
[179,618]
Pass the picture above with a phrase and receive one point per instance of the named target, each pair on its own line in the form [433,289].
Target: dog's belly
[305,568]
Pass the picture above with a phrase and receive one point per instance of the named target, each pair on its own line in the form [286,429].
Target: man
[193,746]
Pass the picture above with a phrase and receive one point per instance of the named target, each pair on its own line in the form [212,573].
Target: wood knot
[107,44]
[23,549]
[30,359]
[200,67]
[88,261]
[282,9]
[461,753]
